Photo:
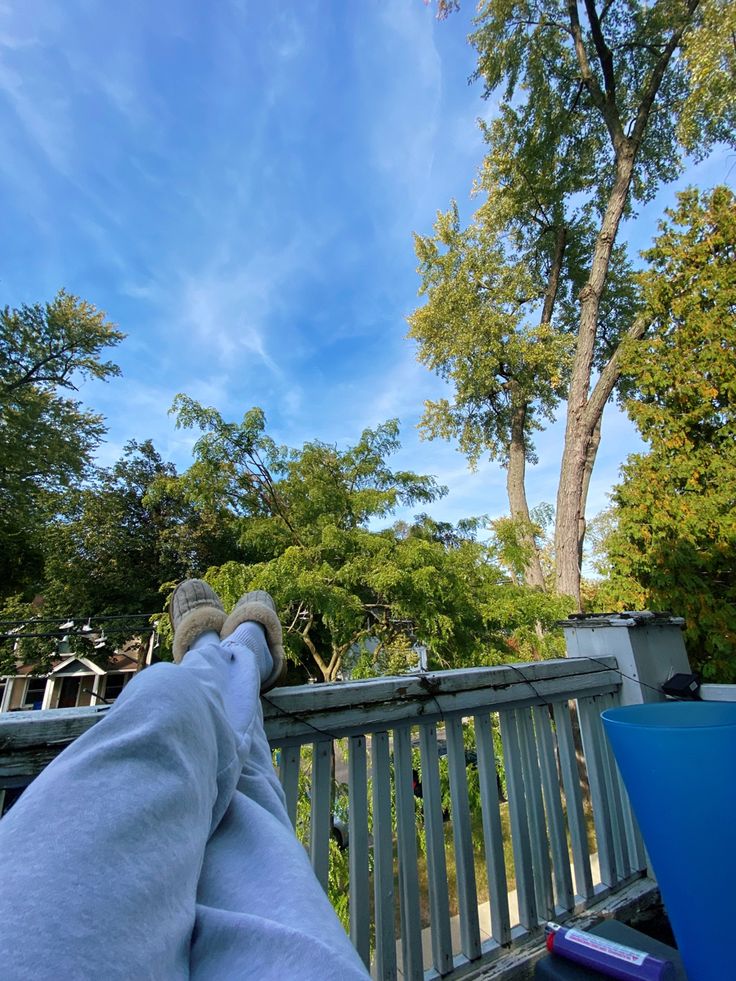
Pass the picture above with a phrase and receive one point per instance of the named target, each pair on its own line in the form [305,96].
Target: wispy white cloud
[237,184]
[42,118]
[226,317]
[287,36]
[226,309]
[406,101]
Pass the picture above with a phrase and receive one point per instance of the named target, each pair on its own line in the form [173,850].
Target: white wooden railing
[382,720]
[390,727]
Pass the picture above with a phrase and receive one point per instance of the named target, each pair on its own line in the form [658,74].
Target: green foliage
[575,84]
[710,59]
[303,525]
[29,650]
[47,439]
[528,618]
[361,584]
[674,543]
[107,550]
[391,658]
[346,590]
[594,108]
[475,331]
[301,491]
[124,535]
[515,538]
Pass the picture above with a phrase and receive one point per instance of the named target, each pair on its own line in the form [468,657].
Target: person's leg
[105,868]
[260,910]
[100,858]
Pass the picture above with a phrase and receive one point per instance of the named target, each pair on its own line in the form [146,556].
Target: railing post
[648,647]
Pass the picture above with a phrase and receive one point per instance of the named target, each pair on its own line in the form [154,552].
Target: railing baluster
[467,894]
[573,801]
[406,834]
[636,855]
[620,845]
[289,776]
[436,862]
[519,824]
[637,852]
[360,932]
[553,806]
[591,729]
[492,831]
[535,810]
[383,871]
[319,840]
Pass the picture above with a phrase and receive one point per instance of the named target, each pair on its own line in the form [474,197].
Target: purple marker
[615,960]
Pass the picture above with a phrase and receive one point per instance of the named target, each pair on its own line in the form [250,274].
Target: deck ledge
[518,964]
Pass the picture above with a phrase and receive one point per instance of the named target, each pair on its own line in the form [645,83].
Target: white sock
[208,637]
[252,636]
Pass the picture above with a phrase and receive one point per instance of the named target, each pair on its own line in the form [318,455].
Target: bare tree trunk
[553,281]
[333,668]
[516,475]
[585,409]
[324,668]
[595,442]
[515,487]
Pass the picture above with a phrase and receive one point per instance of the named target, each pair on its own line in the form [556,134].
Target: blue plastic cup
[678,761]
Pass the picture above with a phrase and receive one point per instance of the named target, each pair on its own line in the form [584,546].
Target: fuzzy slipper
[259,606]
[194,608]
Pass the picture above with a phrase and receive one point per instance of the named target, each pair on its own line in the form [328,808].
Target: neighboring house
[72,681]
[369,645]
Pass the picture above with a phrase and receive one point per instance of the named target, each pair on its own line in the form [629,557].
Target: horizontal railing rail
[373,704]
[427,833]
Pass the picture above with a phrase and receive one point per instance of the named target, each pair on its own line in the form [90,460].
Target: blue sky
[237,184]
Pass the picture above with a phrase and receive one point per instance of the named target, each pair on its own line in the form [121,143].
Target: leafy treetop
[47,439]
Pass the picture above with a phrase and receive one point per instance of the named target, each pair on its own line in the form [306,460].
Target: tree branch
[297,616]
[607,109]
[610,375]
[311,647]
[273,497]
[655,80]
[554,275]
[602,50]
[31,378]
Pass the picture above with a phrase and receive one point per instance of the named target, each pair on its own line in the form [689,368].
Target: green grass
[481,877]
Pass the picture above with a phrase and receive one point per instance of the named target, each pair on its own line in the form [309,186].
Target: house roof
[75,664]
[60,667]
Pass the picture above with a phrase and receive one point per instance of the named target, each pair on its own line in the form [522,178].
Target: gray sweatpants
[157,845]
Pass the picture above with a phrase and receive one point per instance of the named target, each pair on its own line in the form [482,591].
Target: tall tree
[474,330]
[47,439]
[674,542]
[590,99]
[306,530]
[303,523]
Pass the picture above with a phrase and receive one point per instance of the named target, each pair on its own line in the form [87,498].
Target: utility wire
[605,669]
[81,619]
